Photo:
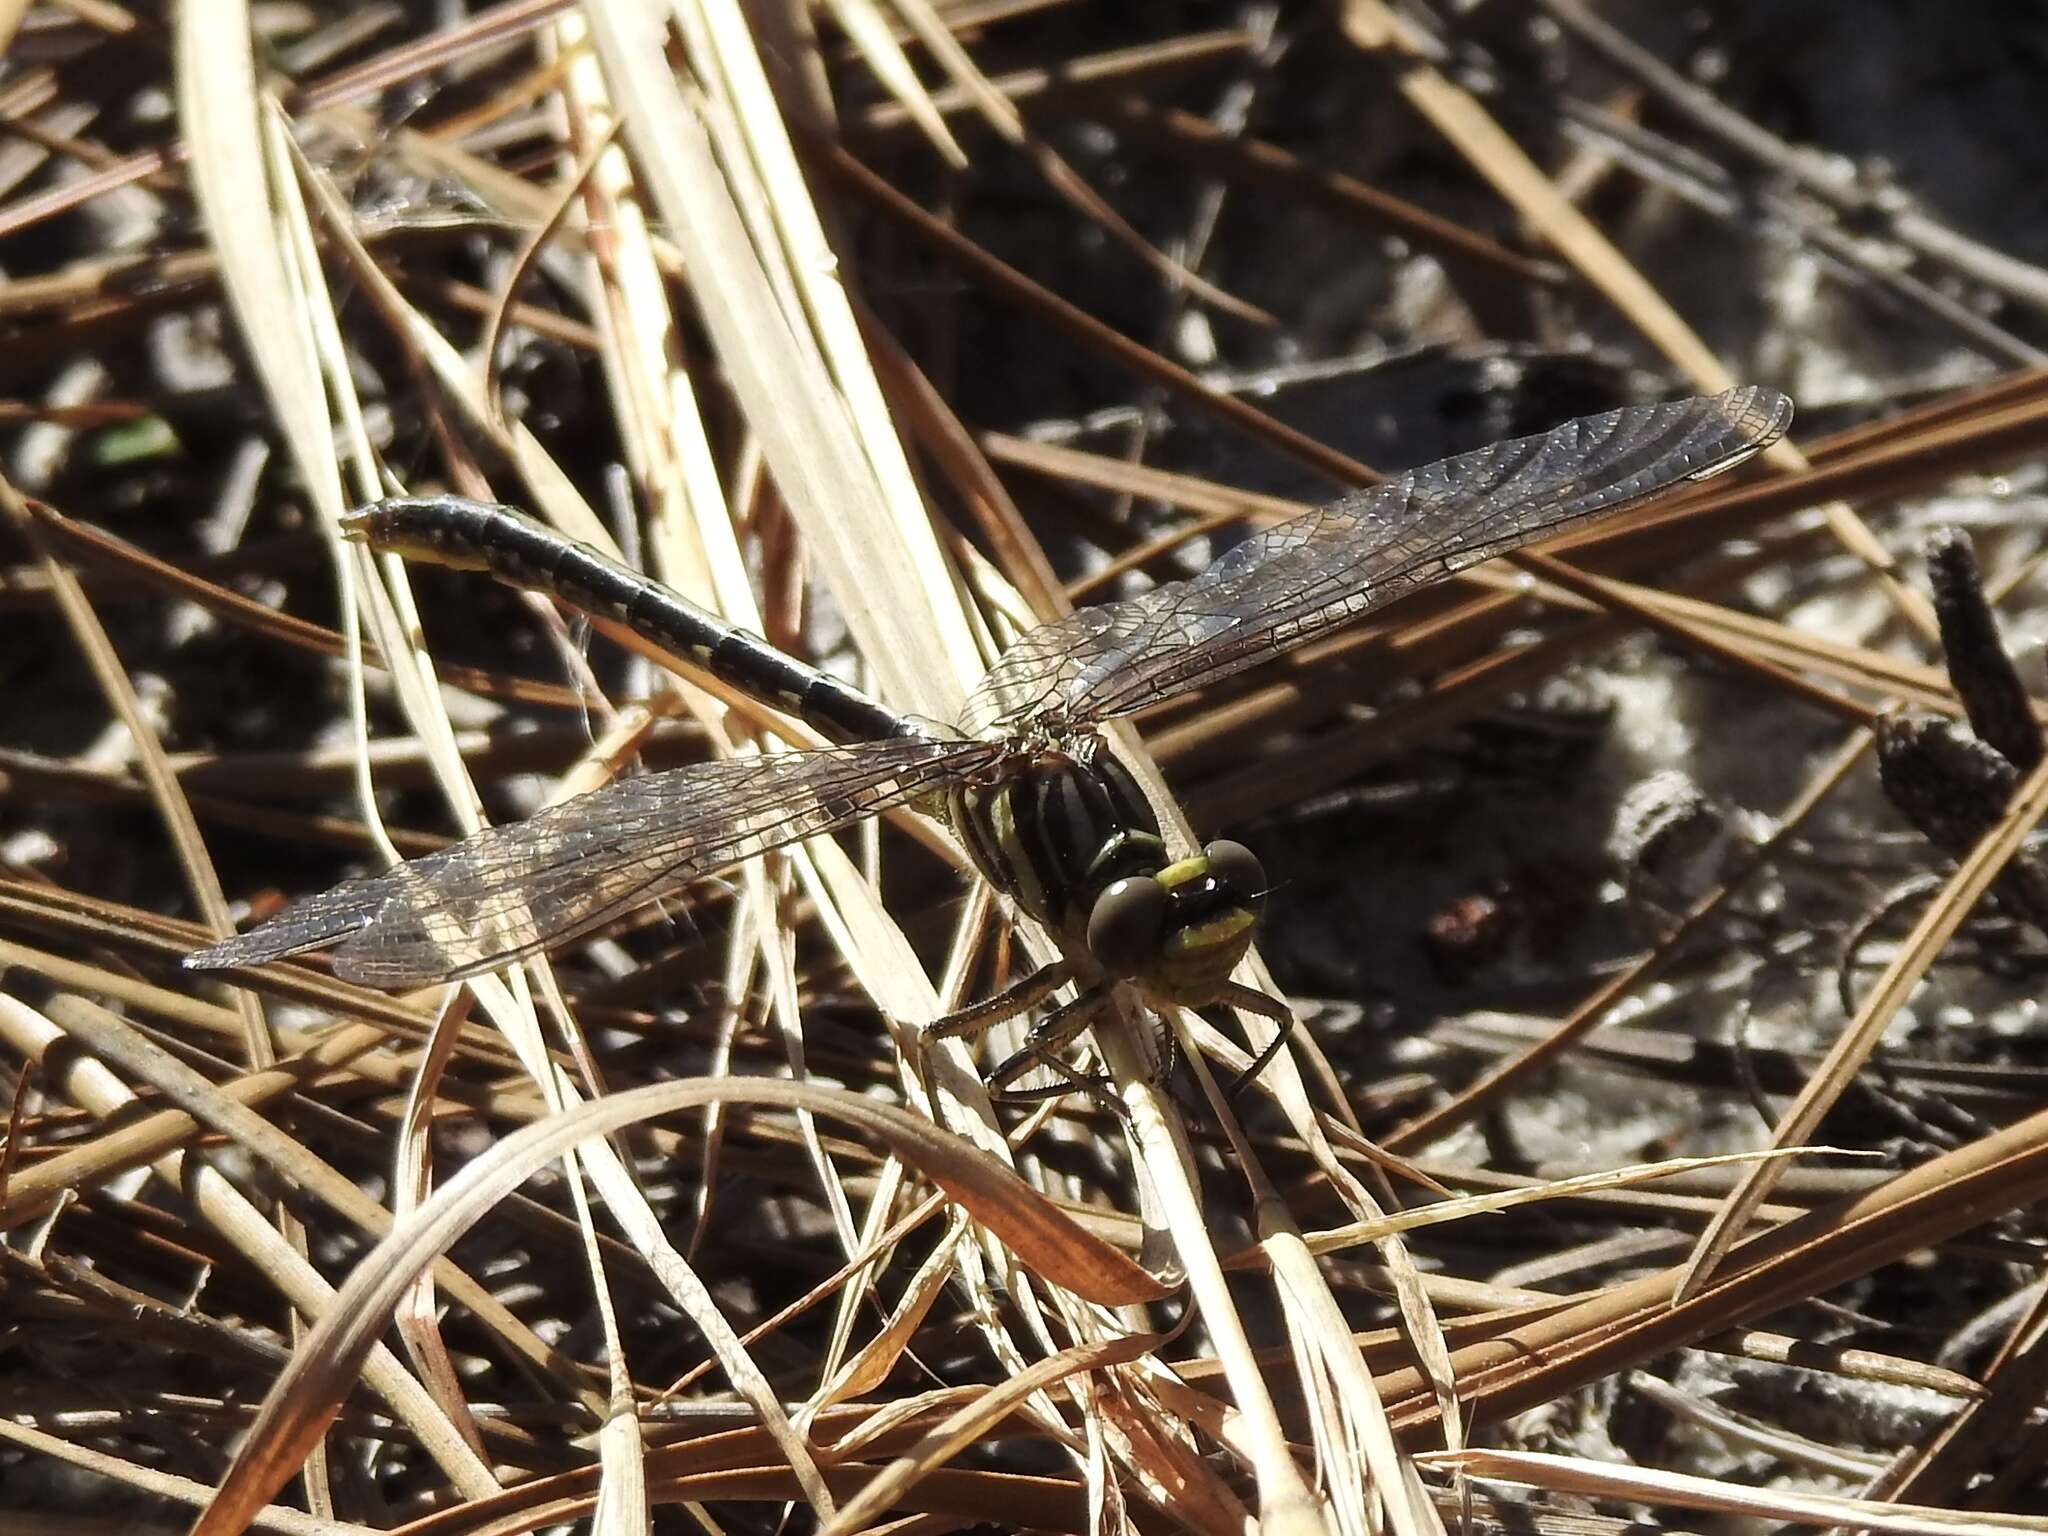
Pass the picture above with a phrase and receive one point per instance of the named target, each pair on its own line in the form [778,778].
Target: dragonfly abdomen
[477,535]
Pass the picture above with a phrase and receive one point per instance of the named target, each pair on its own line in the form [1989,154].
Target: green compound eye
[1125,925]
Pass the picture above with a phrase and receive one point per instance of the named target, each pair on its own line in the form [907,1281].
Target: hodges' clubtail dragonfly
[1043,809]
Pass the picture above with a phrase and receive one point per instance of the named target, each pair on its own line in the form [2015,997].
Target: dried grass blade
[222,117]
[823,470]
[622,1489]
[862,22]
[1462,1207]
[1285,1500]
[1573,1475]
[1352,1428]
[871,1365]
[417,1316]
[230,1214]
[306,1397]
[1001,115]
[967,1425]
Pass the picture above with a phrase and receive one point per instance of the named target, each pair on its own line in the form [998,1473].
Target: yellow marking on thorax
[1002,821]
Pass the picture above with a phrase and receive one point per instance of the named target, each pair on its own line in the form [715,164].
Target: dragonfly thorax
[1074,842]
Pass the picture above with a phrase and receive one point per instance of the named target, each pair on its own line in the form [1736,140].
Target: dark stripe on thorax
[1041,835]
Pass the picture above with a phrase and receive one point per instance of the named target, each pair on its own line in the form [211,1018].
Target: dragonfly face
[1072,840]
[1182,946]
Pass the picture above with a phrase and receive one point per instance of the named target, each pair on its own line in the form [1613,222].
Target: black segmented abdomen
[523,553]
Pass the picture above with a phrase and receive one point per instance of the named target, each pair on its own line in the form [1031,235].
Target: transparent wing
[1292,583]
[511,890]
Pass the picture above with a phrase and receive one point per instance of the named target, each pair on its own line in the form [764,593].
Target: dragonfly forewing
[516,889]
[1315,573]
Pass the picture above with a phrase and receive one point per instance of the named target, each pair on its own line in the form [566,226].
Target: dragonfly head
[1180,932]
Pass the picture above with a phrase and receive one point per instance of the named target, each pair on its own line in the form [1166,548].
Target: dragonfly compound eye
[1237,870]
[1126,924]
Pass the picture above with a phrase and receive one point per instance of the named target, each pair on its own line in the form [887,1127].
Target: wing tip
[1762,414]
[352,961]
[242,950]
[220,955]
[312,923]
[1748,419]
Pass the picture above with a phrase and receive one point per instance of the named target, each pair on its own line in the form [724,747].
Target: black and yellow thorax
[1071,838]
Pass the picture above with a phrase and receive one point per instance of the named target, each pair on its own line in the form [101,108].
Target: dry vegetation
[889,327]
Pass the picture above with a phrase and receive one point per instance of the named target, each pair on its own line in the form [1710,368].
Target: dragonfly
[1024,778]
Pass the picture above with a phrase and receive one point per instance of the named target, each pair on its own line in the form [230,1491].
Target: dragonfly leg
[1253,1001]
[1020,996]
[1098,1086]
[1165,1051]
[1048,1037]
